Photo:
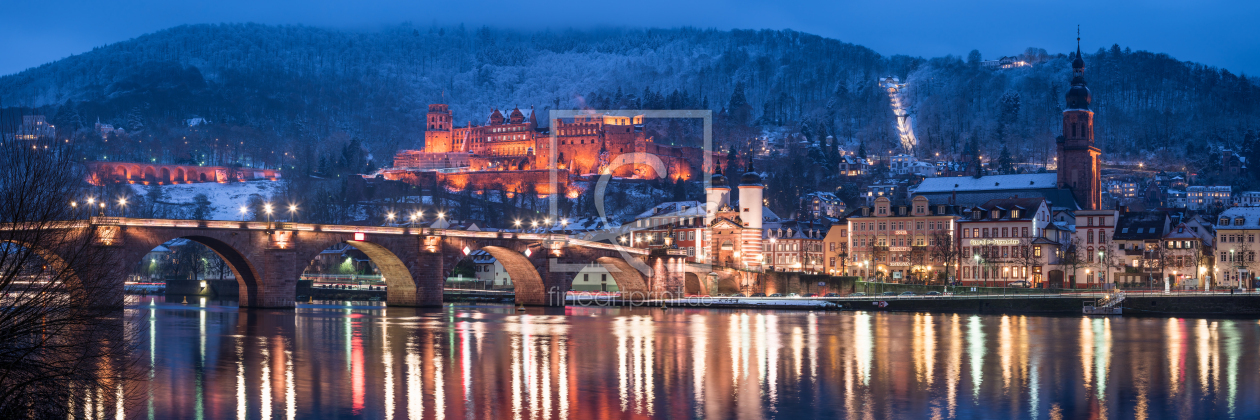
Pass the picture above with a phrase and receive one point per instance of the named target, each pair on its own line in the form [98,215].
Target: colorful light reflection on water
[209,360]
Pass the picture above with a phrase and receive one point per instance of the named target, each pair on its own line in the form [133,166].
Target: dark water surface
[467,361]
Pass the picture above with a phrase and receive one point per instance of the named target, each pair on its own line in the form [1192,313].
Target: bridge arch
[97,285]
[400,286]
[120,173]
[247,276]
[52,259]
[693,285]
[728,284]
[180,175]
[629,280]
[150,174]
[529,284]
[164,175]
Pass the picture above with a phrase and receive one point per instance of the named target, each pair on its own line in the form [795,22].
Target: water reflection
[210,360]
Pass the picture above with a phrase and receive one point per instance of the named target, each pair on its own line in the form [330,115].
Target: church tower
[1078,158]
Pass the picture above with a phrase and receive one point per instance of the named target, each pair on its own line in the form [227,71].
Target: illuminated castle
[587,144]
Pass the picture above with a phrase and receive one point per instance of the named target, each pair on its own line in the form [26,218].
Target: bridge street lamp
[243,210]
[267,209]
[122,202]
[389,217]
[293,213]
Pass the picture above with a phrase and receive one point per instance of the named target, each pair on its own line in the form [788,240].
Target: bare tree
[62,329]
[1202,264]
[1110,260]
[944,251]
[1024,258]
[1073,257]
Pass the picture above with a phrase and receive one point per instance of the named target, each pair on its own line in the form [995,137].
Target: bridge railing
[386,230]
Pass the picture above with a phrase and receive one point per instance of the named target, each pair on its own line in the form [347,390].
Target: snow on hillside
[225,198]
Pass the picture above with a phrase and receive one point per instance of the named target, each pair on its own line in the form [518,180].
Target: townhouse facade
[898,243]
[1236,247]
[1000,246]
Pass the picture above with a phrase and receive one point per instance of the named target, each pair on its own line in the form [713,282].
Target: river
[467,361]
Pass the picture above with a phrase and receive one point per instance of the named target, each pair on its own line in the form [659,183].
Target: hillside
[319,100]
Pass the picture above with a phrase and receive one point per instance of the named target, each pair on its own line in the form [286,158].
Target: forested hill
[320,94]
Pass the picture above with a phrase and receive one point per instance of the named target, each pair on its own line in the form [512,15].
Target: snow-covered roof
[767,215]
[674,209]
[988,183]
[480,256]
[1250,216]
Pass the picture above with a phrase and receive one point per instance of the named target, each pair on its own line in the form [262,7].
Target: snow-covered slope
[225,198]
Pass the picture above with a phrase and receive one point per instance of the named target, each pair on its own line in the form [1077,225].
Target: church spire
[1078,65]
[1078,96]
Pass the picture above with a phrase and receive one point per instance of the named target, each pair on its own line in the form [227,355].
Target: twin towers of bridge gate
[733,234]
[1078,166]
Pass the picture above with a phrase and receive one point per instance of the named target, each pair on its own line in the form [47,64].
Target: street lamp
[267,209]
[293,213]
[122,202]
[390,217]
[243,210]
[1102,274]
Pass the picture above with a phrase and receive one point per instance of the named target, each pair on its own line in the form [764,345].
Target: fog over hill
[312,99]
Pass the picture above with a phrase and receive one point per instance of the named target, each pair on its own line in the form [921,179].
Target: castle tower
[1078,158]
[750,205]
[437,133]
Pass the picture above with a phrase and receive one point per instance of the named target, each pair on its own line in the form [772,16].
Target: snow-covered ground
[225,198]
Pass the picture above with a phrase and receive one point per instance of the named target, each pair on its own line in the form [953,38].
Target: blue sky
[1215,32]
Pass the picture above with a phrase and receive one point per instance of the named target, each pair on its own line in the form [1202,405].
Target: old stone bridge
[268,258]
